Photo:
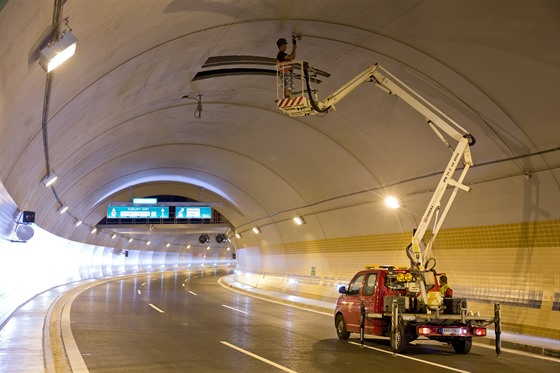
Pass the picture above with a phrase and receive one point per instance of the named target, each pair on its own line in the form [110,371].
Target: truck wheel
[341,331]
[399,342]
[462,346]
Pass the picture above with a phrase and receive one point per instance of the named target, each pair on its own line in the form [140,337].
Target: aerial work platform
[289,77]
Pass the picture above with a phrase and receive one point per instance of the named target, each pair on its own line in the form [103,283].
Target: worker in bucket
[284,67]
[444,287]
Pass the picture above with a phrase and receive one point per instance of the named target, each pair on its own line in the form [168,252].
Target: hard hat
[281,41]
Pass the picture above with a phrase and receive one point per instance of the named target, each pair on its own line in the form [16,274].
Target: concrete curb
[522,346]
[295,301]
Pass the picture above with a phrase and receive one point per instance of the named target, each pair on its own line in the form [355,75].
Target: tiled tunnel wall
[514,264]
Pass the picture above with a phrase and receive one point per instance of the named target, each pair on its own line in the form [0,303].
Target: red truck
[386,301]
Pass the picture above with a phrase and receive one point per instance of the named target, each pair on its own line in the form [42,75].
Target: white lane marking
[139,292]
[235,309]
[192,292]
[155,308]
[73,354]
[411,358]
[258,357]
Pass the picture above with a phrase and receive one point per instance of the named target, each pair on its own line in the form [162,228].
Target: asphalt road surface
[187,322]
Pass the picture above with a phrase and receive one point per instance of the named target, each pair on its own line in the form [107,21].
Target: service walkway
[25,340]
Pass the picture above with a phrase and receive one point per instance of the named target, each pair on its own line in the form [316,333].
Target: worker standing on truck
[284,67]
[444,287]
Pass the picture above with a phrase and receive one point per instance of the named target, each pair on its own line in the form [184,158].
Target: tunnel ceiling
[119,125]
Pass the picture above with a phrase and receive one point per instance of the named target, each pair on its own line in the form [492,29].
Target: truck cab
[375,288]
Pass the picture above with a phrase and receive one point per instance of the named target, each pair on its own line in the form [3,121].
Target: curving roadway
[185,321]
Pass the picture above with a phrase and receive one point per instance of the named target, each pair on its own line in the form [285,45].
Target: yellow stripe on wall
[536,234]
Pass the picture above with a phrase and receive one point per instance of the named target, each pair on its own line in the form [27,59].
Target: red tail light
[479,332]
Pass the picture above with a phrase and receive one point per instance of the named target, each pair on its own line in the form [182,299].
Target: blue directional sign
[140,212]
[193,212]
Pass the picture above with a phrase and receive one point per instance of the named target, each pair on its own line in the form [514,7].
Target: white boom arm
[438,122]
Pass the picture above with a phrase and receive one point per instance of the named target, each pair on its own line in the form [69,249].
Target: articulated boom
[300,105]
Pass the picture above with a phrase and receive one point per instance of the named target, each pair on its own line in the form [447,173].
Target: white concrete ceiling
[117,124]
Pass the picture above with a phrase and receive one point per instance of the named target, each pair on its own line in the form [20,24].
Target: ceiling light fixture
[58,51]
[49,179]
[93,230]
[392,202]
[78,223]
[299,220]
[256,230]
[237,235]
[62,209]
[130,240]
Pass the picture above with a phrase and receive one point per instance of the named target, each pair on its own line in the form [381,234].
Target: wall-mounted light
[62,209]
[299,220]
[256,230]
[78,223]
[49,179]
[54,54]
[392,202]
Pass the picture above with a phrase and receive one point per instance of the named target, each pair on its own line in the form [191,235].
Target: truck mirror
[342,290]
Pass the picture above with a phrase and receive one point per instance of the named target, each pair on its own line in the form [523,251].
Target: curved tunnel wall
[514,262]
[46,261]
